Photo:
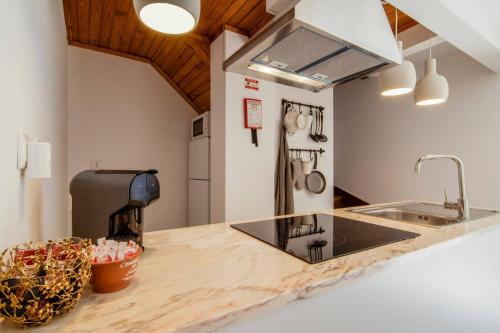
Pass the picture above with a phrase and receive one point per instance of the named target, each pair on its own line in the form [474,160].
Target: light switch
[33,156]
[39,160]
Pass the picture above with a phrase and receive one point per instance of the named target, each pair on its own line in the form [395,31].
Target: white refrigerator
[199,182]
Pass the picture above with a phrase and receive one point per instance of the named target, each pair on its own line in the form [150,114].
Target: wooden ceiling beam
[176,87]
[202,50]
[196,37]
[236,30]
[109,51]
[199,44]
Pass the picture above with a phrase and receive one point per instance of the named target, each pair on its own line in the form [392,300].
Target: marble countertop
[203,278]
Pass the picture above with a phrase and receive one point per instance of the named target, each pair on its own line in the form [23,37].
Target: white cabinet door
[199,202]
[199,159]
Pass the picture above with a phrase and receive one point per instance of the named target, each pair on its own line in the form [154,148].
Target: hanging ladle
[321,137]
[311,134]
[314,123]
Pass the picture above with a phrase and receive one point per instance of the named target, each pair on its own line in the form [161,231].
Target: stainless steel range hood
[319,44]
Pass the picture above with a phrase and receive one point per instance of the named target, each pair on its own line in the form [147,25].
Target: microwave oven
[200,126]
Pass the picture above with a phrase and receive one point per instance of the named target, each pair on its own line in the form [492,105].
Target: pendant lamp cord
[396,22]
[430,45]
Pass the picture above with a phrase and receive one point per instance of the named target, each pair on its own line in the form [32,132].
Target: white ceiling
[471,26]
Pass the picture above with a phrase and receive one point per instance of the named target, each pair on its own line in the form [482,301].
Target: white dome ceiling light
[169,16]
[432,88]
[400,79]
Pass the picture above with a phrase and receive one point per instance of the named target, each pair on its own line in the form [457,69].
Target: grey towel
[283,191]
[298,176]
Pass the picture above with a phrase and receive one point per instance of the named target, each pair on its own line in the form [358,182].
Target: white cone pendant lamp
[432,88]
[169,16]
[400,79]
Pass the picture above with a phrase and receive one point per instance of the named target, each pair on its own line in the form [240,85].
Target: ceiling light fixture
[432,88]
[400,79]
[169,16]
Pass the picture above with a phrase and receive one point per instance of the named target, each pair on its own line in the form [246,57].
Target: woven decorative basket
[44,280]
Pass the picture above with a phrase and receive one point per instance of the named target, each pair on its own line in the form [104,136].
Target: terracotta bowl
[109,277]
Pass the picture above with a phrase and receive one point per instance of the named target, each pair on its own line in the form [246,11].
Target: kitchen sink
[428,214]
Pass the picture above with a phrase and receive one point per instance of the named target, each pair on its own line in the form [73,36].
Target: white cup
[301,121]
[307,166]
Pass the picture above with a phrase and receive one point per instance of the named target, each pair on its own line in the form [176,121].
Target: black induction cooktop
[318,237]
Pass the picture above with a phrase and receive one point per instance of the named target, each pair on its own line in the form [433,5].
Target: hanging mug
[290,120]
[307,164]
[301,120]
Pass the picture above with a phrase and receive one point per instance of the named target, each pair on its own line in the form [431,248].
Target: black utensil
[319,124]
[312,135]
[326,138]
[321,137]
[316,128]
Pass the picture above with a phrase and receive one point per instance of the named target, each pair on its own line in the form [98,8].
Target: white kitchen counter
[201,279]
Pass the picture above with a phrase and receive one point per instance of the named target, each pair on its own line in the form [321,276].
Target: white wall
[33,50]
[217,133]
[123,113]
[378,139]
[248,181]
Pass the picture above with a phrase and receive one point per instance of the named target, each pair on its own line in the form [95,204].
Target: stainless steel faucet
[462,205]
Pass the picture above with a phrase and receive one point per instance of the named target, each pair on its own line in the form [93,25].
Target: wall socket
[96,165]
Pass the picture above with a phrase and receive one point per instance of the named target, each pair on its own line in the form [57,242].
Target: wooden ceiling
[404,21]
[112,26]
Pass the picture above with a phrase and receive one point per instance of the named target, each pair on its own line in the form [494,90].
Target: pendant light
[432,88]
[169,16]
[400,79]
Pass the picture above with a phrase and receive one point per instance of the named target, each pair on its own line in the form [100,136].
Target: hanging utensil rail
[285,101]
[321,150]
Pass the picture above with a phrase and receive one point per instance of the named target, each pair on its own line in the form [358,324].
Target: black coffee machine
[110,203]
